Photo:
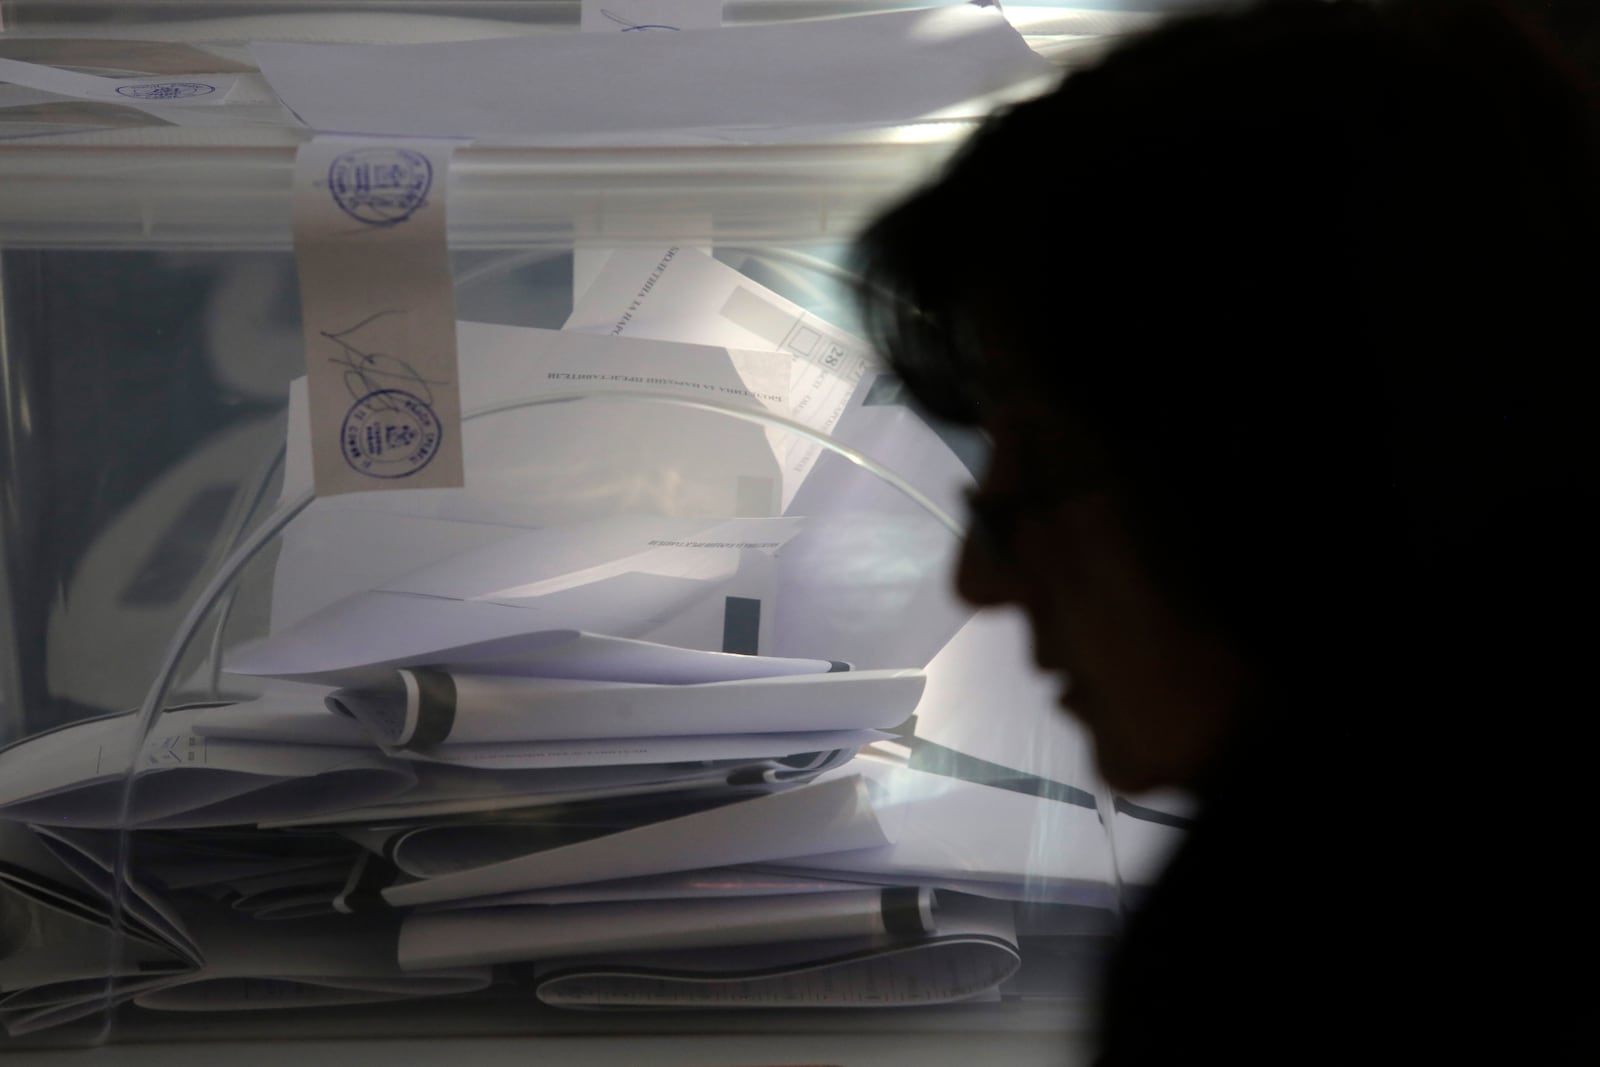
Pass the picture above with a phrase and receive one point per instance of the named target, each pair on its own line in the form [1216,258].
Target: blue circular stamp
[390,434]
[380,186]
[165,90]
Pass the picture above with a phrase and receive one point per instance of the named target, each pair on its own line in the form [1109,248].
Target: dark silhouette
[1281,321]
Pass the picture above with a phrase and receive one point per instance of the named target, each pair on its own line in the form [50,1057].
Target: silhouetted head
[1278,320]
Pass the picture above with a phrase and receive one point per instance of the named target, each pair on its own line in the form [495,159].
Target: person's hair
[1316,275]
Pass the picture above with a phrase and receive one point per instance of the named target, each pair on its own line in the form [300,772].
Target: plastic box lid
[229,186]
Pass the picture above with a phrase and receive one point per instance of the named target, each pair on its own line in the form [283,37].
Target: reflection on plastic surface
[684,295]
[110,626]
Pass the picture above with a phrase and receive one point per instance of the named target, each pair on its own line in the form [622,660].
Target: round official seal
[380,186]
[389,434]
[165,90]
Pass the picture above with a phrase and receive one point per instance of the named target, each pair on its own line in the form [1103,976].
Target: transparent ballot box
[663,721]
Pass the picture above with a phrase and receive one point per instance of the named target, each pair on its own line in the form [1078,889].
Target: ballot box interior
[664,720]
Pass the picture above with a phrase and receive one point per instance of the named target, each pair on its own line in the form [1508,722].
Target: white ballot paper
[497,788]
[435,849]
[119,56]
[559,654]
[680,294]
[93,858]
[52,947]
[378,307]
[873,586]
[284,718]
[548,464]
[715,883]
[31,871]
[425,709]
[986,699]
[807,819]
[879,422]
[631,576]
[970,950]
[236,857]
[153,105]
[876,580]
[307,962]
[296,894]
[219,957]
[619,88]
[623,751]
[558,454]
[634,16]
[76,776]
[600,759]
[334,960]
[977,838]
[58,931]
[477,936]
[1146,834]
[192,90]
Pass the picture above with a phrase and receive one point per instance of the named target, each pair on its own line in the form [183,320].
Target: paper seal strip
[378,307]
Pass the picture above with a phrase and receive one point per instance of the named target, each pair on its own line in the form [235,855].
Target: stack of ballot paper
[614,822]
[257,860]
[630,823]
[161,932]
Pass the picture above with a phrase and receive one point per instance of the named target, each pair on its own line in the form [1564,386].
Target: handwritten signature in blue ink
[366,373]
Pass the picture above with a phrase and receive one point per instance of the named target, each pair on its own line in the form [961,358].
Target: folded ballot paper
[755,82]
[270,852]
[694,583]
[175,949]
[78,776]
[432,710]
[973,838]
[810,879]
[664,915]
[958,948]
[848,946]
